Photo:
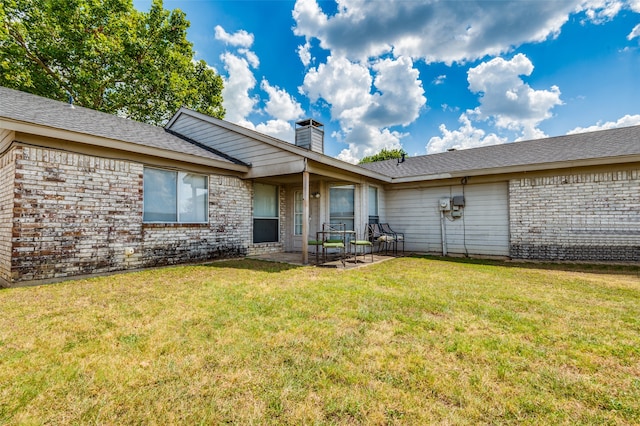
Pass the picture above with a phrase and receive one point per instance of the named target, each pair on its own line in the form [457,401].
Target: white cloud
[446,31]
[344,85]
[281,104]
[399,94]
[284,108]
[626,121]
[634,33]
[240,38]
[237,84]
[304,52]
[465,137]
[440,80]
[366,105]
[600,11]
[365,140]
[370,84]
[507,100]
[251,57]
[278,129]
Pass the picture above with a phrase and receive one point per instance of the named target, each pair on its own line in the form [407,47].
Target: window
[341,205]
[297,213]
[373,205]
[171,196]
[265,213]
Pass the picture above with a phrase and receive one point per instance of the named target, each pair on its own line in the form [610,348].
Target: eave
[138,148]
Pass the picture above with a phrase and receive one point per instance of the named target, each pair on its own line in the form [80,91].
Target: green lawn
[408,341]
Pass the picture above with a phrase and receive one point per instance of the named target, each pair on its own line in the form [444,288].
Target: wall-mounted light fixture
[315,195]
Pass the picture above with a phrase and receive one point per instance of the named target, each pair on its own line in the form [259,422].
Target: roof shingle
[28,108]
[602,144]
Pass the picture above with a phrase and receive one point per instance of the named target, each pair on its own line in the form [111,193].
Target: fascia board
[62,134]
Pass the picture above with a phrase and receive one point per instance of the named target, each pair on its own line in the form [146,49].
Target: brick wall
[76,214]
[7,172]
[583,216]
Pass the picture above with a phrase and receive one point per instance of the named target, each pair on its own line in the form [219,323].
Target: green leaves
[107,55]
[385,154]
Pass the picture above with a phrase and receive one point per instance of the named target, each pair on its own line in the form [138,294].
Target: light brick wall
[76,214]
[581,216]
[7,172]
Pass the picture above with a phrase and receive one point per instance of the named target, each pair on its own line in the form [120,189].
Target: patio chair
[364,243]
[316,244]
[377,236]
[398,237]
[333,237]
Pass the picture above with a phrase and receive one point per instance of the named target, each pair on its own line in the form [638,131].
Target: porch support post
[305,216]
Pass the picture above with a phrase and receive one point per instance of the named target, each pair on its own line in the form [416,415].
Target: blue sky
[424,76]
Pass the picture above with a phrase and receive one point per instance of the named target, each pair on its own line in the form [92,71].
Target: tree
[385,154]
[107,56]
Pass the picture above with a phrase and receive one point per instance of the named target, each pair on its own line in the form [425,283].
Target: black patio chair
[398,237]
[377,236]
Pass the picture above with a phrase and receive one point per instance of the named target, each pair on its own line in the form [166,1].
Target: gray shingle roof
[34,109]
[597,145]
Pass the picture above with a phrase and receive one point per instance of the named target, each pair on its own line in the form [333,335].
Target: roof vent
[70,104]
[310,135]
[451,149]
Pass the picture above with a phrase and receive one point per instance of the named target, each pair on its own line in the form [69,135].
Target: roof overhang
[520,168]
[97,141]
[312,156]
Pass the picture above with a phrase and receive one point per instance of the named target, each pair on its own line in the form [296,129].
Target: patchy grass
[408,341]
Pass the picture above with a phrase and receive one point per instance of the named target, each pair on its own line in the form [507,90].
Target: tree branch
[17,37]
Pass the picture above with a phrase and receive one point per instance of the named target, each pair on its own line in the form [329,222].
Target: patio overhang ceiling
[291,172]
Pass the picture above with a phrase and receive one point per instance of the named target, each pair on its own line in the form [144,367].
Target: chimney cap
[310,122]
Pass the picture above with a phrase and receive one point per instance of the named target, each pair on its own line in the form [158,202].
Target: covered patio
[313,199]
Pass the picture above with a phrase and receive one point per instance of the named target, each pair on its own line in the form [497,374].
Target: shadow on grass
[254,265]
[594,268]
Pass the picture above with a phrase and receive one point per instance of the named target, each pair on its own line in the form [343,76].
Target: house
[83,192]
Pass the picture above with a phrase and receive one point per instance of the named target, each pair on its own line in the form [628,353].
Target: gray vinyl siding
[236,145]
[483,229]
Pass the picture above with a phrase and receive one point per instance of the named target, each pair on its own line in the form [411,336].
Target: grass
[408,341]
